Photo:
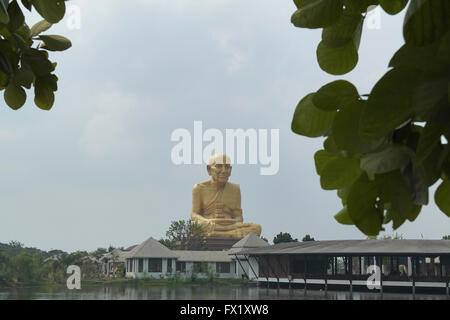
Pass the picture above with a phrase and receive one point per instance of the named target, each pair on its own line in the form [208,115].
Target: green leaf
[343,194]
[414,213]
[422,58]
[343,217]
[429,139]
[300,3]
[340,173]
[389,104]
[346,129]
[330,145]
[24,77]
[429,94]
[392,158]
[51,10]
[347,28]
[4,17]
[443,52]
[361,206]
[431,167]
[40,27]
[25,33]
[442,197]
[55,43]
[395,191]
[16,17]
[4,80]
[317,14]
[43,89]
[393,6]
[38,60]
[309,120]
[333,95]
[27,4]
[5,64]
[15,96]
[426,21]
[359,6]
[337,60]
[322,158]
[416,181]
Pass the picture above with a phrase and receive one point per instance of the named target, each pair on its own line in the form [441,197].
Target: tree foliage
[183,235]
[307,238]
[19,264]
[23,66]
[383,151]
[283,237]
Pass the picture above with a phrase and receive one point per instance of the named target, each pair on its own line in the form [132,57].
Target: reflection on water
[194,293]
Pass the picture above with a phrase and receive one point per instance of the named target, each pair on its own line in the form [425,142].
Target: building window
[154,265]
[181,266]
[141,265]
[223,267]
[169,265]
[200,267]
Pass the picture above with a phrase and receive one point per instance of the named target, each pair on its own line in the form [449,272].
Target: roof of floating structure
[356,247]
[150,248]
[249,242]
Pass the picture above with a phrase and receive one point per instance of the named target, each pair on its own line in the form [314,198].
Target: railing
[417,278]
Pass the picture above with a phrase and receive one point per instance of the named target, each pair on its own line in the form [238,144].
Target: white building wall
[234,270]
[244,268]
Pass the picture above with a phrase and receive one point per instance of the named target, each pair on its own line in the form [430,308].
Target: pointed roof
[150,248]
[249,242]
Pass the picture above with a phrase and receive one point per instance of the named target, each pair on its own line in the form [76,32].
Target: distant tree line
[286,237]
[21,265]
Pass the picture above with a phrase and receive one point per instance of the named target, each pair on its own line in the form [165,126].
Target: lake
[107,292]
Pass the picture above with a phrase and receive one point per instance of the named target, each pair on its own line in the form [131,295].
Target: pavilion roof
[356,247]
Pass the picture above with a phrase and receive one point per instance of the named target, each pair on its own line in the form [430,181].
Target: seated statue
[216,203]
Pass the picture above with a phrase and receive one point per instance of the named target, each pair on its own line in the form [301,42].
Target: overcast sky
[96,170]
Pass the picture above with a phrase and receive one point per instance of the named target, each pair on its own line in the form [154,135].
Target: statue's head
[219,168]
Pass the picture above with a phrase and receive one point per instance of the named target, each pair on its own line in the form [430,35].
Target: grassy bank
[168,282]
[149,282]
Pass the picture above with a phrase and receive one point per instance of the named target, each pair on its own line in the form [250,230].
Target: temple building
[151,259]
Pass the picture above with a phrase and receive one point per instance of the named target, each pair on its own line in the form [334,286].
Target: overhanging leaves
[362,206]
[317,13]
[309,120]
[52,10]
[333,95]
[442,197]
[392,158]
[393,6]
[337,60]
[339,173]
[55,42]
[389,104]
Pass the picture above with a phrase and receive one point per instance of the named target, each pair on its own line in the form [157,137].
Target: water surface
[108,292]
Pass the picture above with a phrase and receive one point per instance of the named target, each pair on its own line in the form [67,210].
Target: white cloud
[109,129]
[236,58]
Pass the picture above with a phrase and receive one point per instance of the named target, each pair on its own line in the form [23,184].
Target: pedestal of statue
[214,243]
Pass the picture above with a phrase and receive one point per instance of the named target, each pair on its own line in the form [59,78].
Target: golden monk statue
[216,203]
